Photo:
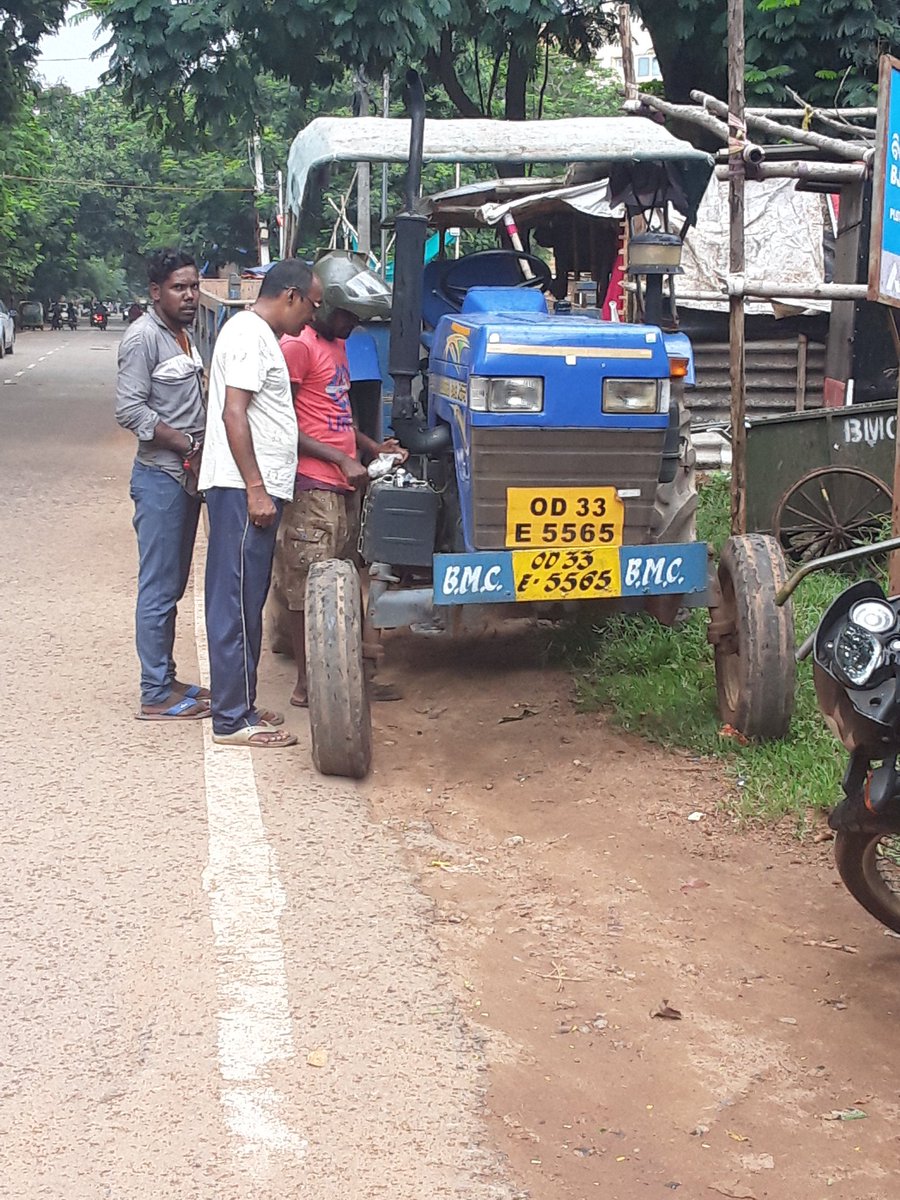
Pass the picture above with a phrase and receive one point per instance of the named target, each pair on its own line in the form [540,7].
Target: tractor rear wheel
[753,639]
[339,718]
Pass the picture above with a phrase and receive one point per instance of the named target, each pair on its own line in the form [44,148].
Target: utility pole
[282,230]
[259,185]
[628,71]
[385,177]
[363,171]
[737,135]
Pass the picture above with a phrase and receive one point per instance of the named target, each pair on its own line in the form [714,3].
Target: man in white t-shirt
[248,470]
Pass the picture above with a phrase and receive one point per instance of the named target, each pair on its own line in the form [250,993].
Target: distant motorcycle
[99,320]
[56,320]
[72,321]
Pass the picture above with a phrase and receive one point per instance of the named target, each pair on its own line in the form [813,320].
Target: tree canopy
[193,64]
[22,25]
[824,49]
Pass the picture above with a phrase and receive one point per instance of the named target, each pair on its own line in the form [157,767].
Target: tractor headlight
[627,396]
[515,394]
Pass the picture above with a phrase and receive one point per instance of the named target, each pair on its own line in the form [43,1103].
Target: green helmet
[348,283]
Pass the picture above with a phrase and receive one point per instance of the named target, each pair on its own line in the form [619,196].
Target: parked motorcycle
[856,670]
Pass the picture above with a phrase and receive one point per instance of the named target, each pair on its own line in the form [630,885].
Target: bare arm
[260,507]
[352,470]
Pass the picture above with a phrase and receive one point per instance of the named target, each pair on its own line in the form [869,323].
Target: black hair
[162,263]
[289,273]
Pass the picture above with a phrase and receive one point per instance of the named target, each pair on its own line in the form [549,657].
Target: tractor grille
[509,457]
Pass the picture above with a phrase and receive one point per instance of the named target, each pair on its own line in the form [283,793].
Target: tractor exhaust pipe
[406,312]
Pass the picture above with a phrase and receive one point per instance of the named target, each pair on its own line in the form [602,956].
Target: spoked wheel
[869,865]
[753,639]
[829,510]
[339,718]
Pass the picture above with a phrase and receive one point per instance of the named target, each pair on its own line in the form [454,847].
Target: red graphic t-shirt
[320,382]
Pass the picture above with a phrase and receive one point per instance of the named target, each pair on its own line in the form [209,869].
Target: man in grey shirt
[159,397]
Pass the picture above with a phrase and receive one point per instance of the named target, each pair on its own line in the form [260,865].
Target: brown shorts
[314,527]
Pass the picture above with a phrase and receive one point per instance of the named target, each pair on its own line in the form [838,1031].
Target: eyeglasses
[313,303]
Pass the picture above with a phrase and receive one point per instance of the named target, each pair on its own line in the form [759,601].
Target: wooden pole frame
[737,136]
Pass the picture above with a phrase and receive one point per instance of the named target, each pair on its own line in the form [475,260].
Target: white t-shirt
[247,356]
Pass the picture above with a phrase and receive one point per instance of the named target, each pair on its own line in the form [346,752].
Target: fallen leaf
[317,1058]
[788,1020]
[738,1137]
[691,884]
[665,1010]
[522,713]
[845,1114]
[735,1189]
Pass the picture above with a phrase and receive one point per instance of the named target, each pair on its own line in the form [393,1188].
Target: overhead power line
[112,183]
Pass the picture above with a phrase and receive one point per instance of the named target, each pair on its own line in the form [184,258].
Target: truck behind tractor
[550,465]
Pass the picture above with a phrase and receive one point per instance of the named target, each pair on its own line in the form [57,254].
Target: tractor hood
[509,332]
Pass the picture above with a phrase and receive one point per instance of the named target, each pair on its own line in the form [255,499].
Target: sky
[75,44]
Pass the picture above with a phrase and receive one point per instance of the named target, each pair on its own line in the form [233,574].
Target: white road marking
[246,900]
[18,373]
[31,366]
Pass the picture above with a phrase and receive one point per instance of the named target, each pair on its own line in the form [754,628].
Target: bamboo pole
[817,172]
[833,121]
[737,136]
[851,151]
[688,112]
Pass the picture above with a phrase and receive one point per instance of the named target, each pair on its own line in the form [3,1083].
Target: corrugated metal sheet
[772,370]
[509,457]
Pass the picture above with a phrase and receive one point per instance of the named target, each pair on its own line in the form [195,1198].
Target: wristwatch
[194,446]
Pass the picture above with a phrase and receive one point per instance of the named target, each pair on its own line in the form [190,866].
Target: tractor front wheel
[339,718]
[753,639]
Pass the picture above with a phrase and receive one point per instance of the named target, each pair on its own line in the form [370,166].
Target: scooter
[856,670]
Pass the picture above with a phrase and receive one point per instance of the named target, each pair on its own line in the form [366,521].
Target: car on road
[7,330]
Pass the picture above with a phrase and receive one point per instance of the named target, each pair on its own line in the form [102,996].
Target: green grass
[660,683]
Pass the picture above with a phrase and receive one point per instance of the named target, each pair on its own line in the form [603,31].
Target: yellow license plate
[567,574]
[563,517]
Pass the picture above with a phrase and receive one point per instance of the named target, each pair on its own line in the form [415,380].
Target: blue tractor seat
[489,268]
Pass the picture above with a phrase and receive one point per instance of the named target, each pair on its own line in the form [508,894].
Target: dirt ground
[575,900]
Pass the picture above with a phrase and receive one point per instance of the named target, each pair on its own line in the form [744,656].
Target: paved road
[183,926]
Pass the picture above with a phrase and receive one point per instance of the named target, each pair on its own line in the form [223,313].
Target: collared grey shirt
[157,382]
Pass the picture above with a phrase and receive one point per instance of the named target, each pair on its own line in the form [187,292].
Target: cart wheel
[753,639]
[339,717]
[831,509]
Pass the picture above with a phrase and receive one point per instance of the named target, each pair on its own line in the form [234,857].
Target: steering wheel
[455,293]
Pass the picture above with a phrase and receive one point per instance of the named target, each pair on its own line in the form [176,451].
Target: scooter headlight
[857,654]
[875,616]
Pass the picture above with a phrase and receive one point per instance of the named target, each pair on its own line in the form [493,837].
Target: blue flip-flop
[186,709]
[192,692]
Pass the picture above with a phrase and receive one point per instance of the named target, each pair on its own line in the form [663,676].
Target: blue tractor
[550,464]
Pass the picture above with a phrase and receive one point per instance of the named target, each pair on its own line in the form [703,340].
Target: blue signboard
[884,258]
[581,573]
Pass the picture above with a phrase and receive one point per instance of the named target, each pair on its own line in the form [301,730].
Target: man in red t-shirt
[323,520]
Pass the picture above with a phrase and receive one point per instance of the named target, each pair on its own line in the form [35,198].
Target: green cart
[821,481]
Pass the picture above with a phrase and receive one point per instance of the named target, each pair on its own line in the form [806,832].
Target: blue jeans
[238,574]
[165,520]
